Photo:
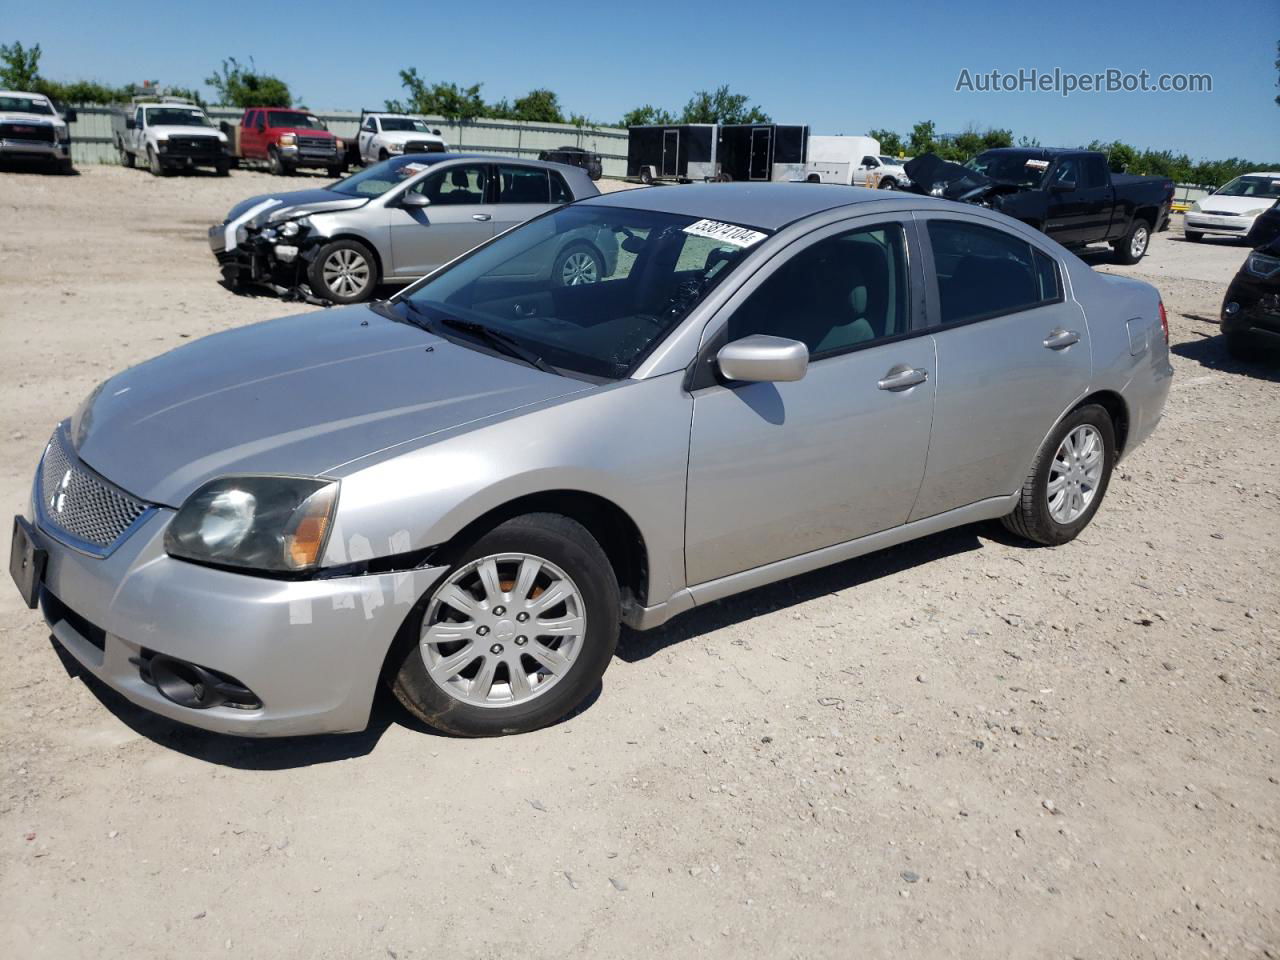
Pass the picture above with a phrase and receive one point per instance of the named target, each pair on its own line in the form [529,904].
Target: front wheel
[344,271]
[888,184]
[154,164]
[1195,236]
[276,163]
[337,172]
[577,264]
[1134,246]
[646,176]
[1241,345]
[1068,479]
[517,634]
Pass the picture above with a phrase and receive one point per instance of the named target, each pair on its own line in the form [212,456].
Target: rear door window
[984,272]
[523,185]
[559,189]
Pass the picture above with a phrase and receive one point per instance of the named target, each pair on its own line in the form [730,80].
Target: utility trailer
[757,152]
[681,152]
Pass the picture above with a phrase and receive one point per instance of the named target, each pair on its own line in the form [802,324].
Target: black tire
[322,288]
[573,549]
[1195,236]
[1031,519]
[154,165]
[1135,243]
[276,163]
[646,176]
[383,155]
[222,169]
[585,274]
[887,184]
[337,172]
[126,158]
[64,166]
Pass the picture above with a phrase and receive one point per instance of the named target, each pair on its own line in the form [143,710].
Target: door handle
[902,377]
[1060,339]
[481,216]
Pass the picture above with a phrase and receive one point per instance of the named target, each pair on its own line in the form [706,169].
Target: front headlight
[271,524]
[395,148]
[341,145]
[289,228]
[1260,265]
[1195,207]
[288,139]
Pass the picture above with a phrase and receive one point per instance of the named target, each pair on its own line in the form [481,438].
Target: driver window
[369,125]
[837,294]
[137,117]
[455,186]
[1068,171]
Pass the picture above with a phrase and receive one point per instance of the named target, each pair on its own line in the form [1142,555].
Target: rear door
[1013,356]
[523,193]
[670,153]
[780,469]
[460,216]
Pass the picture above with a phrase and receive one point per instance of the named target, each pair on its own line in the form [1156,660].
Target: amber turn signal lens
[305,539]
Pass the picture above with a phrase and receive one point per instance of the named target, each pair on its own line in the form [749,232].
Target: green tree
[924,138]
[19,66]
[446,100]
[243,86]
[721,106]
[890,142]
[645,116]
[541,105]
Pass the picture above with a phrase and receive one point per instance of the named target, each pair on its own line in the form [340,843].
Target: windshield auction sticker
[1038,164]
[725,233]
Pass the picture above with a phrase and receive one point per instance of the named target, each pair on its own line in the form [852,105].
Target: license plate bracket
[27,562]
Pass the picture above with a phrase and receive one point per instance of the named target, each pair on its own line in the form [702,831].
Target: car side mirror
[1063,186]
[70,115]
[415,200]
[130,123]
[436,132]
[761,358]
[262,125]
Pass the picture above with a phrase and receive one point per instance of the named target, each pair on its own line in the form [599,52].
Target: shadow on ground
[1211,351]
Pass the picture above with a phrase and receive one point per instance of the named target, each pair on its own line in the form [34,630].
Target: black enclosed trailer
[677,152]
[762,151]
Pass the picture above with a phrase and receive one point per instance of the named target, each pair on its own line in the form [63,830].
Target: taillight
[1164,323]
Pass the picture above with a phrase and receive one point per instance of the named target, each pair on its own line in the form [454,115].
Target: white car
[31,126]
[386,135]
[1231,209]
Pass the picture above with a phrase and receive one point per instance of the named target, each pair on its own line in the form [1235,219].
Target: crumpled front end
[276,256]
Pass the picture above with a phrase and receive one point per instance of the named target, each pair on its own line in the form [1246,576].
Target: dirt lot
[961,747]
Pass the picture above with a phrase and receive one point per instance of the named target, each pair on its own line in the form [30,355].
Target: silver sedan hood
[297,203]
[299,395]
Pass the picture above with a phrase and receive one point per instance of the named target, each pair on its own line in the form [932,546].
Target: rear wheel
[126,158]
[1068,479]
[1134,246]
[344,271]
[518,632]
[577,264]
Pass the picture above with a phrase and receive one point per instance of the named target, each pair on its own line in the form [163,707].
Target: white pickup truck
[168,133]
[31,127]
[855,161]
[384,135]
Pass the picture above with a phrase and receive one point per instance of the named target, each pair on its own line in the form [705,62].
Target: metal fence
[91,138]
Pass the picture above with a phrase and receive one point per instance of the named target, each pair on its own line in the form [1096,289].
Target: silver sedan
[463,492]
[397,221]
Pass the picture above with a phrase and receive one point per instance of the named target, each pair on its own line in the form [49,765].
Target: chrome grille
[81,504]
[316,146]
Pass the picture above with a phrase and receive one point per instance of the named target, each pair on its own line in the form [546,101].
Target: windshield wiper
[497,339]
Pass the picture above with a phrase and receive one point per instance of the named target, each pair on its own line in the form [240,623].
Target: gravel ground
[960,747]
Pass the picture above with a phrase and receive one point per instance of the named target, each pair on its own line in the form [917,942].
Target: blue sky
[841,67]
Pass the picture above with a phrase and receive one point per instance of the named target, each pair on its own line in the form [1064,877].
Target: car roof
[769,206]
[431,158]
[23,93]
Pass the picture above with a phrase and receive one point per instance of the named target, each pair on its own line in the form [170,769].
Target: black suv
[575,157]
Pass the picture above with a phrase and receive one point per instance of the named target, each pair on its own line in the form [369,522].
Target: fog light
[1231,309]
[286,252]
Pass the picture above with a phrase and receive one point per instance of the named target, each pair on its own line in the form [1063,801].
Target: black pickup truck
[1069,194]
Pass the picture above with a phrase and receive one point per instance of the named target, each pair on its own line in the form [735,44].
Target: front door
[780,469]
[1013,356]
[458,218]
[671,153]
[761,153]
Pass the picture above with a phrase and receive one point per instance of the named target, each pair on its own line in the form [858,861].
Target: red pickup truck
[286,138]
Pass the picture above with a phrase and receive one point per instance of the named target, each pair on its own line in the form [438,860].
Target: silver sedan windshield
[589,289]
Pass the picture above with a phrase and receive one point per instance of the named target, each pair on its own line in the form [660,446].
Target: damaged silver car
[398,221]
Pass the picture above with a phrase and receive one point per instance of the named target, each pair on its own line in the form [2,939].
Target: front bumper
[278,262]
[310,650]
[42,149]
[1225,226]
